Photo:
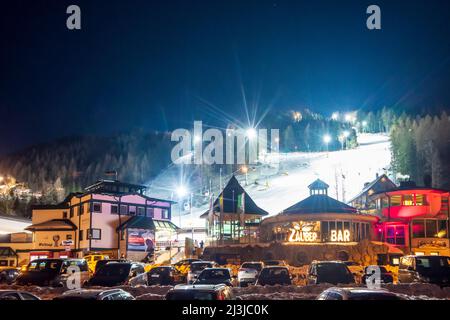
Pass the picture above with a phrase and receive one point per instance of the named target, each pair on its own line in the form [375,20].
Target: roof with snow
[230,200]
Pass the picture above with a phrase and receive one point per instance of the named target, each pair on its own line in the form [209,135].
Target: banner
[140,240]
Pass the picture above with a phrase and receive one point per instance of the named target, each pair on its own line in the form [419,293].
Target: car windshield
[190,295]
[200,266]
[432,263]
[215,274]
[45,265]
[114,270]
[275,272]
[249,265]
[332,268]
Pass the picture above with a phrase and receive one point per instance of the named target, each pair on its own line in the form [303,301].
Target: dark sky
[153,64]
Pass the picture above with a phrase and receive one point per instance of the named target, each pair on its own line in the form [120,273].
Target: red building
[414,219]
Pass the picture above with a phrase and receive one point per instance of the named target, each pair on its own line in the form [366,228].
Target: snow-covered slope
[345,171]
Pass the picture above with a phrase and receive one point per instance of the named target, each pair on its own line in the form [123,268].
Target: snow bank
[419,291]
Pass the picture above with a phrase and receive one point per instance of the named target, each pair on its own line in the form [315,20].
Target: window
[165,214]
[81,209]
[114,209]
[418,228]
[71,212]
[95,234]
[431,228]
[396,201]
[408,200]
[97,207]
[141,211]
[80,233]
[64,214]
[132,211]
[442,229]
[151,212]
[123,209]
[420,200]
[395,235]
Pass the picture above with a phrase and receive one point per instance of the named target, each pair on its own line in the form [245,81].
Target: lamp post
[327,140]
[244,169]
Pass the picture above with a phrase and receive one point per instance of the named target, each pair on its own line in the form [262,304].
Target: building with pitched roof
[110,216]
[233,217]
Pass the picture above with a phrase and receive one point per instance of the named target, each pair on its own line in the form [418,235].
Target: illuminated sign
[304,231]
[340,235]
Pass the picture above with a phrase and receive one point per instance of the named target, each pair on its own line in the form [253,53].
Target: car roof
[200,287]
[253,262]
[87,293]
[217,269]
[275,267]
[203,261]
[330,262]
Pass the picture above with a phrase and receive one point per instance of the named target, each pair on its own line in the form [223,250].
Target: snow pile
[420,290]
[150,296]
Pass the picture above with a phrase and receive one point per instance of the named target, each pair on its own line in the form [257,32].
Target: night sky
[159,64]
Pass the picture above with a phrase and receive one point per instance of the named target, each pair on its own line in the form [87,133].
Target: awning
[53,225]
[141,222]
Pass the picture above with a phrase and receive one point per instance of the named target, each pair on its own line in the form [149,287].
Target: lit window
[396,201]
[408,200]
[420,200]
[418,253]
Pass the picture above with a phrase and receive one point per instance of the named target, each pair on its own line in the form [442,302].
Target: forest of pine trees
[420,152]
[420,149]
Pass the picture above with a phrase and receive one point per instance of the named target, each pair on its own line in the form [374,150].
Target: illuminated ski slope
[350,168]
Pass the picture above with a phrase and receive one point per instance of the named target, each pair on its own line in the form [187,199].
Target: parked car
[215,276]
[249,272]
[118,273]
[275,263]
[196,268]
[274,275]
[358,294]
[385,276]
[17,295]
[95,294]
[200,292]
[51,272]
[92,260]
[9,275]
[164,275]
[184,265]
[427,269]
[333,272]
[101,263]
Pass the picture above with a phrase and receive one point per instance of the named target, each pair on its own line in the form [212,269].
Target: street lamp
[251,133]
[244,169]
[327,140]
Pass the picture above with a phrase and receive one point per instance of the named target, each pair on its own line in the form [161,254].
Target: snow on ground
[308,292]
[345,171]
